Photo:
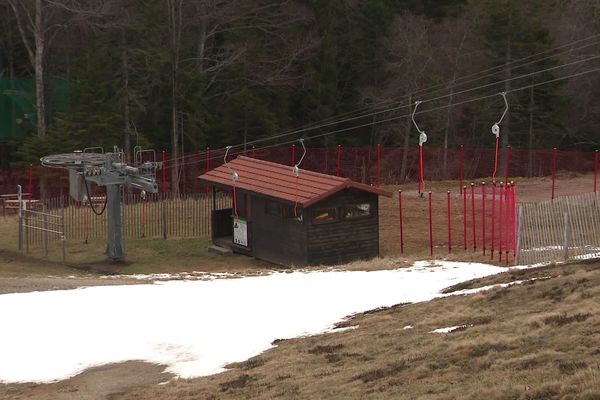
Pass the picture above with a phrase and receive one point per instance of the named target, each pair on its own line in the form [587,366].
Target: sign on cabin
[240,232]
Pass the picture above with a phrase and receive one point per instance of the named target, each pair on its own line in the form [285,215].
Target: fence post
[63,237]
[500,220]
[493,218]
[567,235]
[45,237]
[464,195]
[401,230]
[449,226]
[473,216]
[507,163]
[483,216]
[430,229]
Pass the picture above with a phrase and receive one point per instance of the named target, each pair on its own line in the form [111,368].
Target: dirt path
[39,283]
[100,383]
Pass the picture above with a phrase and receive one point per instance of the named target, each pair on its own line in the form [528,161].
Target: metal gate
[566,228]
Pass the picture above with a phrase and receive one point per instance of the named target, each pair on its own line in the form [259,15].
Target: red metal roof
[278,181]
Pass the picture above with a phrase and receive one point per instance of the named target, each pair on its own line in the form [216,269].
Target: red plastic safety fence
[430,228]
[396,165]
[473,221]
[401,223]
[483,216]
[493,219]
[449,225]
[500,221]
[464,196]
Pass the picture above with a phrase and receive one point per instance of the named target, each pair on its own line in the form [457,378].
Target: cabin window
[324,215]
[353,211]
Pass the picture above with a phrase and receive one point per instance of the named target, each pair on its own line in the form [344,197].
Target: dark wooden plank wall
[344,240]
[276,239]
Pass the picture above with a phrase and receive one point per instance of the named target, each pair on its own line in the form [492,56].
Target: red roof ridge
[278,181]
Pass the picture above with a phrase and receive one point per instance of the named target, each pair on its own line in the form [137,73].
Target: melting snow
[448,329]
[197,327]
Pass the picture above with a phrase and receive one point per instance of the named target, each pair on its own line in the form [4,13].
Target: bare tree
[32,28]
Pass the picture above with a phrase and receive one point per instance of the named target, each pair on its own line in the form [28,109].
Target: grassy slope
[539,340]
[144,256]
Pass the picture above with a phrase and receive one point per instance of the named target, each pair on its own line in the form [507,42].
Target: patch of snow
[408,327]
[448,329]
[197,327]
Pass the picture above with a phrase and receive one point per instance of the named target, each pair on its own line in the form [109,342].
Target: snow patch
[448,329]
[196,327]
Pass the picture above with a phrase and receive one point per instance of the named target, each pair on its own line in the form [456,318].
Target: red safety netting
[395,165]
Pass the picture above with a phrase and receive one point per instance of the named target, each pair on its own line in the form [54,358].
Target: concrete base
[218,250]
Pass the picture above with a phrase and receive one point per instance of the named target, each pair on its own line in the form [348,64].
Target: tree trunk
[174,28]
[39,69]
[126,113]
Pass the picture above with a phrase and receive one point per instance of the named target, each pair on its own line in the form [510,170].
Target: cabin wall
[276,239]
[343,240]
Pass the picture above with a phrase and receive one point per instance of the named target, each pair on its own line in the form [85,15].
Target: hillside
[536,340]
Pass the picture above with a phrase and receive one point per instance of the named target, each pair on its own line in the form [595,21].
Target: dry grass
[521,342]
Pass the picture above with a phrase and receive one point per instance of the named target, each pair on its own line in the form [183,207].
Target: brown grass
[518,344]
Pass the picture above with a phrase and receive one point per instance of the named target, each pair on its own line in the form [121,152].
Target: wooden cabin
[311,219]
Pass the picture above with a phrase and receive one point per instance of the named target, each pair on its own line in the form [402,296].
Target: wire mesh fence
[155,216]
[566,228]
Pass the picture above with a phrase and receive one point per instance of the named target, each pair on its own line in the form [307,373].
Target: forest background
[181,75]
